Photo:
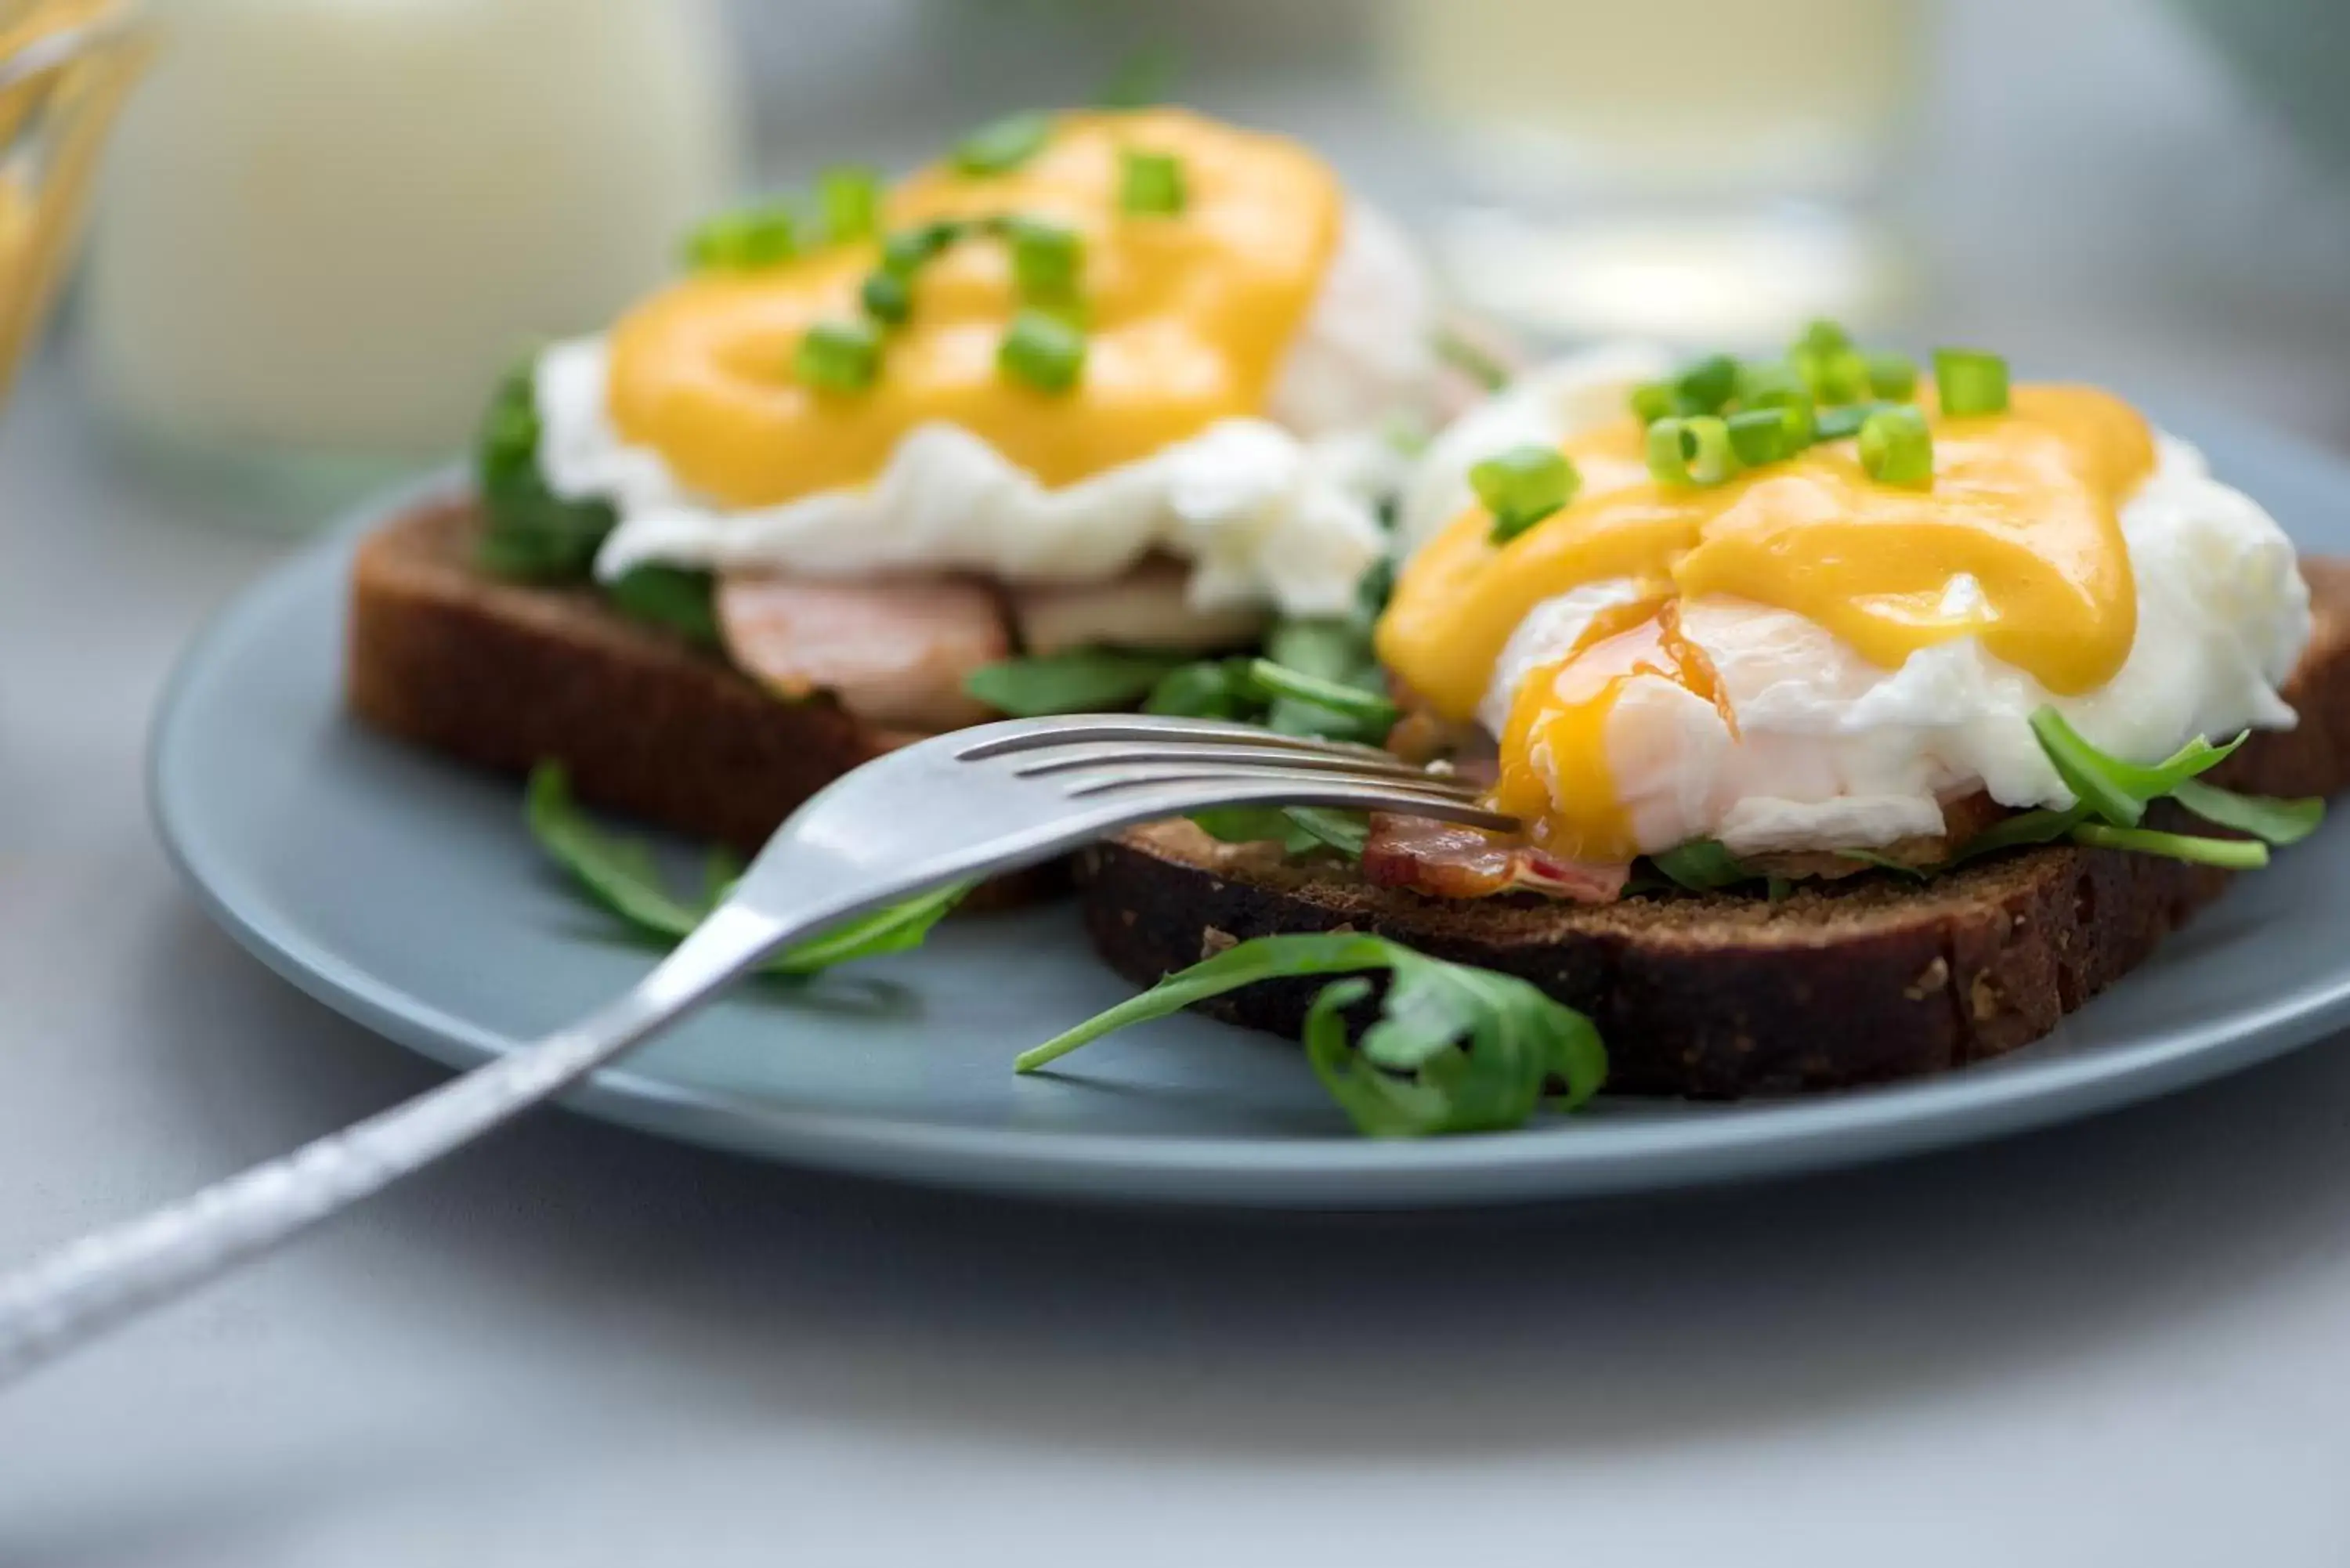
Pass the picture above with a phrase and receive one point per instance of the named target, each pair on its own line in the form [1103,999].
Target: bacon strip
[1444,860]
[895,651]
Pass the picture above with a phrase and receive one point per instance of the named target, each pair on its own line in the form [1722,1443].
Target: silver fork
[962,805]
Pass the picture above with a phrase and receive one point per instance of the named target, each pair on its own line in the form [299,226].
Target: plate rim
[1563,1161]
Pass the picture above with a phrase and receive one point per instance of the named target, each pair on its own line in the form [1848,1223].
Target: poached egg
[1240,353]
[1803,659]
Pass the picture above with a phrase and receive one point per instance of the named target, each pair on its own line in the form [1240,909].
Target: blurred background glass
[330,221]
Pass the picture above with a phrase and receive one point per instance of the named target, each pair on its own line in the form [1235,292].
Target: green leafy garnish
[2111,788]
[2026,827]
[2265,817]
[1298,829]
[1702,866]
[1333,648]
[529,533]
[1370,713]
[1883,863]
[1208,688]
[618,874]
[678,598]
[1455,1049]
[1003,145]
[758,236]
[1080,680]
[2235,854]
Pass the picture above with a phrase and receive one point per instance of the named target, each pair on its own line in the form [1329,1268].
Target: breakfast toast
[1725,994]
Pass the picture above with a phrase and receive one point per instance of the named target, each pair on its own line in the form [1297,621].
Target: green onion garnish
[1771,384]
[1654,401]
[747,237]
[1896,447]
[851,200]
[1152,184]
[1821,336]
[1522,486]
[1704,385]
[1044,260]
[839,356]
[1844,421]
[1893,377]
[1835,375]
[885,297]
[1692,450]
[1766,435]
[1003,145]
[904,251]
[2235,854]
[1044,350]
[1969,381]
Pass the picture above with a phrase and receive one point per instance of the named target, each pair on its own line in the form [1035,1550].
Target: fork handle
[92,1285]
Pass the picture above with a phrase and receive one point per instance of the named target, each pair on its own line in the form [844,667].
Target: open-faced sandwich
[1861,724]
[1097,392]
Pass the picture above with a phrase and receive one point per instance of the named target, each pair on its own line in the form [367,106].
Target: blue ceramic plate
[403,891]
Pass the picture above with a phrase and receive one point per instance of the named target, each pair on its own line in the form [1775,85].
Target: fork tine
[1317,789]
[1035,734]
[1061,760]
[1433,789]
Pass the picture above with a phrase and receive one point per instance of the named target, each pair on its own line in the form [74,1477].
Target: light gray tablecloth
[2127,1341]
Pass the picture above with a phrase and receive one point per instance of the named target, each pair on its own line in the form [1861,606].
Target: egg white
[1275,512]
[1836,752]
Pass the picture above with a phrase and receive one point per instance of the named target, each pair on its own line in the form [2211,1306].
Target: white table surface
[2125,1341]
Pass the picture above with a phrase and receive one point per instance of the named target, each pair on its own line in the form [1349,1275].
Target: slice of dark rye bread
[1722,995]
[506,675]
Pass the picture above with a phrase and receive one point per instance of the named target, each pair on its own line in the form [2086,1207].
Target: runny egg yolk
[1187,317]
[2025,503]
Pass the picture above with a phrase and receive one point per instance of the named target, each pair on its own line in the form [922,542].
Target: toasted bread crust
[1717,996]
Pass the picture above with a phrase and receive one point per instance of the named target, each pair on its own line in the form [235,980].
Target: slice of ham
[1146,608]
[1445,860]
[895,651]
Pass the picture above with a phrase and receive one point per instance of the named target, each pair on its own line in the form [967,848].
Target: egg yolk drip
[1187,316]
[2025,503]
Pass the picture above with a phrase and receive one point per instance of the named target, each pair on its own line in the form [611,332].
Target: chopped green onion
[1044,350]
[851,199]
[1704,385]
[1655,401]
[1896,447]
[1766,435]
[747,237]
[839,356]
[1771,384]
[2235,854]
[904,251]
[1970,382]
[1522,486]
[1045,259]
[1892,376]
[1843,422]
[1471,359]
[1836,376]
[1821,336]
[885,297]
[1003,145]
[1693,450]
[1152,184]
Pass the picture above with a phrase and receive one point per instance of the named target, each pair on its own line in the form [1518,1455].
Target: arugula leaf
[1328,649]
[2025,828]
[2235,854]
[1353,712]
[2265,817]
[1079,680]
[1884,863]
[618,874]
[529,533]
[1702,866]
[1456,1049]
[1210,689]
[678,598]
[1297,829]
[2111,788]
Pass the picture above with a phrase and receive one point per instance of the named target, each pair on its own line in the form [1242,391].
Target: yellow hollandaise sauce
[2025,502]
[1186,316]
